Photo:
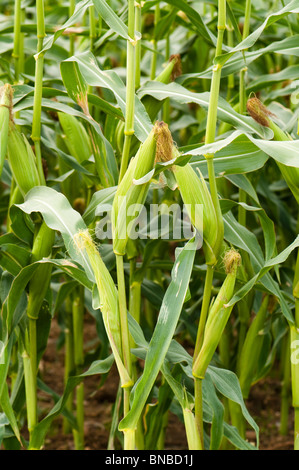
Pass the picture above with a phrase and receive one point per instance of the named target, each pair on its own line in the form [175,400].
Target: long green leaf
[248,42]
[57,106]
[109,79]
[9,412]
[226,113]
[58,215]
[40,430]
[288,46]
[163,333]
[228,385]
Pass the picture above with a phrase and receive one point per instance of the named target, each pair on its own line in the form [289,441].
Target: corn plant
[149,185]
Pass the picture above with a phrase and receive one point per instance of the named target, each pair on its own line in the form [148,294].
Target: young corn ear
[23,166]
[262,115]
[5,116]
[130,193]
[21,160]
[199,204]
[76,140]
[108,300]
[75,136]
[218,315]
[195,195]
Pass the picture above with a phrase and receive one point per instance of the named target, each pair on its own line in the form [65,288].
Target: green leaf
[246,240]
[196,21]
[163,333]
[226,113]
[40,430]
[263,81]
[21,280]
[288,46]
[99,198]
[286,152]
[58,215]
[13,255]
[109,79]
[57,106]
[80,9]
[233,155]
[9,412]
[228,385]
[267,224]
[217,410]
[75,84]
[111,18]
[231,433]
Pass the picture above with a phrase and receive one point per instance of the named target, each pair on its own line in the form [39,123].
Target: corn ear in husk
[108,301]
[75,137]
[21,160]
[39,283]
[218,316]
[129,193]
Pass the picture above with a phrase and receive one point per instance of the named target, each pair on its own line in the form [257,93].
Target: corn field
[149,171]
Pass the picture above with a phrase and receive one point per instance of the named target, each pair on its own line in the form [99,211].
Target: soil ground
[263,405]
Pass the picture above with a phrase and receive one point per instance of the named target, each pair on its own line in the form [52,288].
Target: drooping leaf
[58,215]
[225,112]
[110,79]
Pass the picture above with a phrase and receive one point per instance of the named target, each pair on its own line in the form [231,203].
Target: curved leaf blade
[163,333]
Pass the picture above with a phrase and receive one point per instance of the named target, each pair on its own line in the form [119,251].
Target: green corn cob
[21,160]
[171,71]
[195,195]
[128,193]
[218,316]
[197,199]
[109,301]
[75,137]
[39,283]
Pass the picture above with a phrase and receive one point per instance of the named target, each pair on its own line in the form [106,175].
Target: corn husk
[195,195]
[218,316]
[198,201]
[21,160]
[39,283]
[108,301]
[129,193]
[75,137]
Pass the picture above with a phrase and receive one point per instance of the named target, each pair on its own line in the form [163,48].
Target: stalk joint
[129,132]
